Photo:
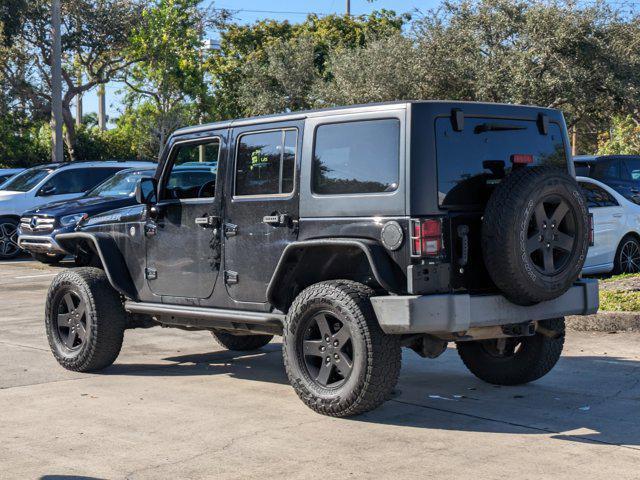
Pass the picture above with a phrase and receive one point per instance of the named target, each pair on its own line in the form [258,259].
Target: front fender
[112,260]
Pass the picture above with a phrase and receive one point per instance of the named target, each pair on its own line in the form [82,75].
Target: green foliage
[622,138]
[167,73]
[255,58]
[22,143]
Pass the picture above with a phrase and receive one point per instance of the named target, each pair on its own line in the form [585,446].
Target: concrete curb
[605,322]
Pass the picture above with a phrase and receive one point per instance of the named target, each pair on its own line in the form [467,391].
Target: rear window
[356,157]
[471,162]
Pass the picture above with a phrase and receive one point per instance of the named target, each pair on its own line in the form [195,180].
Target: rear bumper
[460,312]
[40,244]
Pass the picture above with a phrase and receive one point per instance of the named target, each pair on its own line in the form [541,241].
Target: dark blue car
[38,228]
[620,172]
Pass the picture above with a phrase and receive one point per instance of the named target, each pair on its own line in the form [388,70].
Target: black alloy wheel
[71,320]
[327,350]
[8,239]
[630,257]
[551,237]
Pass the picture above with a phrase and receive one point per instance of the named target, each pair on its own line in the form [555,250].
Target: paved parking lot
[176,406]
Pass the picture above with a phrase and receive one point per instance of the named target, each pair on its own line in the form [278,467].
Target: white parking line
[36,276]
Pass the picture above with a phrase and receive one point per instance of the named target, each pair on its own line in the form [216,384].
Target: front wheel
[337,358]
[85,320]
[9,238]
[627,256]
[517,360]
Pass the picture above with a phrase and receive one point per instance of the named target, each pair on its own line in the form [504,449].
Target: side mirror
[47,191]
[146,191]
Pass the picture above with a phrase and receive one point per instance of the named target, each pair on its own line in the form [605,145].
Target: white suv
[44,184]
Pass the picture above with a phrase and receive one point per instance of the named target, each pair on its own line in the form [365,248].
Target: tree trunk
[69,131]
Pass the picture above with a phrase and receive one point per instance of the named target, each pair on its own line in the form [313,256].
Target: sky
[249,11]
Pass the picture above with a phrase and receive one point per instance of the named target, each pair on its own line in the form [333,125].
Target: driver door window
[194,171]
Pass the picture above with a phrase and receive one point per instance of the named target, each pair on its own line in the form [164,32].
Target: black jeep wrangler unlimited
[351,232]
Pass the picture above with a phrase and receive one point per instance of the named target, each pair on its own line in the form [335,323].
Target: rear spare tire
[535,234]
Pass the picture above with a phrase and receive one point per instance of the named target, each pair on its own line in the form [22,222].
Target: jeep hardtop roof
[473,107]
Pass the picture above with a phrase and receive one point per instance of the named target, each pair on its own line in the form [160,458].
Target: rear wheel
[85,320]
[514,361]
[337,358]
[627,256]
[48,258]
[240,343]
[9,238]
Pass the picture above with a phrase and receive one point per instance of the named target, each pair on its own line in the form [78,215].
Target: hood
[89,205]
[9,194]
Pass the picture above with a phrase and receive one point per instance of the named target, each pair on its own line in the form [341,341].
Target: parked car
[620,172]
[38,228]
[7,173]
[616,228]
[402,224]
[45,184]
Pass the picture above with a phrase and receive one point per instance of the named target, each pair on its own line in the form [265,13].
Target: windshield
[25,181]
[120,185]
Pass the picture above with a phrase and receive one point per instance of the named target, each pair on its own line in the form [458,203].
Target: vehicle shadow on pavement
[591,399]
[263,365]
[586,399]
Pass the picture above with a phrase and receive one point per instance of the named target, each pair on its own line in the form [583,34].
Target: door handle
[207,221]
[278,220]
[617,215]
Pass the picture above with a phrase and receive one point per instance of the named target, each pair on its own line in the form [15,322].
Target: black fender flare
[112,260]
[385,272]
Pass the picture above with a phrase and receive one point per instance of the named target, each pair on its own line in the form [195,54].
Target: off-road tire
[48,259]
[619,265]
[240,343]
[376,356]
[538,355]
[506,231]
[105,319]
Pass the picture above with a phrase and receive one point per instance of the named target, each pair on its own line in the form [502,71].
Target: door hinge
[150,273]
[230,277]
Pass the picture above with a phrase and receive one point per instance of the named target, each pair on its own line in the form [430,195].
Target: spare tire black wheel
[535,234]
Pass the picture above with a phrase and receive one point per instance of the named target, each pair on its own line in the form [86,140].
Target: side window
[607,170]
[631,169]
[77,180]
[597,197]
[194,171]
[265,163]
[356,157]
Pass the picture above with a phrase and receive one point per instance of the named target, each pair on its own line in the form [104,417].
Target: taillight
[426,237]
[521,159]
[591,232]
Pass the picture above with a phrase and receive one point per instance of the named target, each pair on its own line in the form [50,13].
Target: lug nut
[336,343]
[323,348]
[335,355]
[328,359]
[548,245]
[326,338]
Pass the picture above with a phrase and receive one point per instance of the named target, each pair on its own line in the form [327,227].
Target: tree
[255,58]
[95,33]
[581,59]
[166,63]
[622,139]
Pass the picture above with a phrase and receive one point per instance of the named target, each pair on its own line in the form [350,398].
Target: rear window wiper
[496,127]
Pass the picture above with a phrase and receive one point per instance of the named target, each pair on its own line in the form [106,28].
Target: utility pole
[102,108]
[79,111]
[348,7]
[57,151]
